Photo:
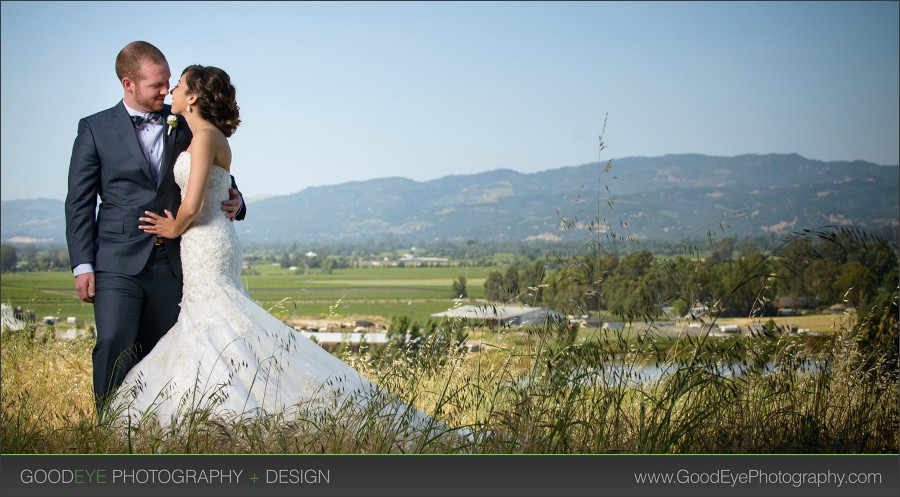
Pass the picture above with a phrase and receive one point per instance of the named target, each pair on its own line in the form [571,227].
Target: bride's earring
[188,107]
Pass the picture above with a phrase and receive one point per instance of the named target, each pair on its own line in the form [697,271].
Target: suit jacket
[107,160]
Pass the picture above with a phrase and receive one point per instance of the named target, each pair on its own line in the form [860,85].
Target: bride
[226,354]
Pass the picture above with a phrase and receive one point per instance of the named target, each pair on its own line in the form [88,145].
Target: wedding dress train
[228,355]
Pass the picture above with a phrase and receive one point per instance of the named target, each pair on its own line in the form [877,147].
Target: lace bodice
[211,254]
[216,188]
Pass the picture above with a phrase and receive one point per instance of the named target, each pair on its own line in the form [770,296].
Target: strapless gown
[227,355]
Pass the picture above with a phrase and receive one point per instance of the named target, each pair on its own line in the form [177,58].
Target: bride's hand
[158,225]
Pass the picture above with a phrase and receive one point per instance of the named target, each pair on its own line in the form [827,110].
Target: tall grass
[530,391]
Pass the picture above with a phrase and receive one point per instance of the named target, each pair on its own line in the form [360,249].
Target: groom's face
[151,89]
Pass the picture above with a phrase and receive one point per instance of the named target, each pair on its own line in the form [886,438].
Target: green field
[415,292]
[373,291]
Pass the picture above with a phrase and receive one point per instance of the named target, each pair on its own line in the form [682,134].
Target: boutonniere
[173,123]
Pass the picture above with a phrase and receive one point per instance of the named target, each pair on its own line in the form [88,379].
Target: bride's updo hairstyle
[215,96]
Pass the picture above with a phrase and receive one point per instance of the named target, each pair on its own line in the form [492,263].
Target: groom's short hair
[130,58]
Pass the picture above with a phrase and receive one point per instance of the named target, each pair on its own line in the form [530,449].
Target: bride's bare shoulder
[210,134]
[214,144]
[210,138]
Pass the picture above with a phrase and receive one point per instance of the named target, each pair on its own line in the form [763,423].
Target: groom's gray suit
[138,281]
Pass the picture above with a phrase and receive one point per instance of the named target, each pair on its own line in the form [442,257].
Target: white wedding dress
[226,354]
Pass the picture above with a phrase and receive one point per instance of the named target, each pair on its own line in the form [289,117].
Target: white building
[514,315]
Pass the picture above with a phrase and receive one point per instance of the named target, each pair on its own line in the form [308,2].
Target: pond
[633,374]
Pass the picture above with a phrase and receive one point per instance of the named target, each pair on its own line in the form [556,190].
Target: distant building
[409,259]
[512,315]
[758,330]
[793,302]
[586,321]
[730,328]
[840,308]
[353,338]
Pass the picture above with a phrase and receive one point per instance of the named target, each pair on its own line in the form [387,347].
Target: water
[618,373]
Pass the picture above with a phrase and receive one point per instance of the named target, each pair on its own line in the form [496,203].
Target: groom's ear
[128,85]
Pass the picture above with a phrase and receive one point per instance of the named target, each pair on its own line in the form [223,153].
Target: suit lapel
[165,168]
[125,129]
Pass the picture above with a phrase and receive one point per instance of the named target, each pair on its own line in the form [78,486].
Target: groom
[125,155]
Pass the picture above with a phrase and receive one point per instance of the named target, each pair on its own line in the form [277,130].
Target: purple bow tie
[152,118]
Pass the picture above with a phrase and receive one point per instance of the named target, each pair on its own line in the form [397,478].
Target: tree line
[812,271]
[32,257]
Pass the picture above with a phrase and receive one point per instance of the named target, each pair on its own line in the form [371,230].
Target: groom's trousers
[131,313]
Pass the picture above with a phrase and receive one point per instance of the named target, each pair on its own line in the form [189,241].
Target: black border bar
[447,475]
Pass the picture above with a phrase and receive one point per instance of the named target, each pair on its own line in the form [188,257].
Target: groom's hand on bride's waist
[233,205]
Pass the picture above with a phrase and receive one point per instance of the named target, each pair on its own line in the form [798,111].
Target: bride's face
[179,96]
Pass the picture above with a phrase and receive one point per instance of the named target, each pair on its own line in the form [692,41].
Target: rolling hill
[672,197]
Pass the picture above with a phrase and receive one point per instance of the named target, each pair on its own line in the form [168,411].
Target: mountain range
[672,197]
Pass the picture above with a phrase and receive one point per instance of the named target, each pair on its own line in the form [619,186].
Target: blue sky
[337,92]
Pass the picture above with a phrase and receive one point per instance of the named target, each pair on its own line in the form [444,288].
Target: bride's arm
[202,155]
